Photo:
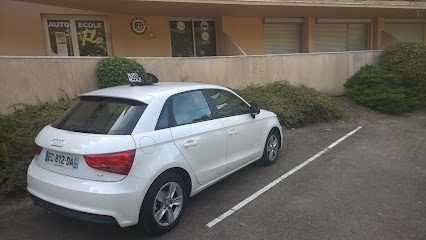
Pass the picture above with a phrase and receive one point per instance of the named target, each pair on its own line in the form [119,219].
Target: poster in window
[205,38]
[181,38]
[91,38]
[60,37]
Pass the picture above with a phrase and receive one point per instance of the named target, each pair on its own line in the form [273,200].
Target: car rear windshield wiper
[86,130]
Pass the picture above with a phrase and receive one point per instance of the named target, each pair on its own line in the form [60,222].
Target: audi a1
[133,154]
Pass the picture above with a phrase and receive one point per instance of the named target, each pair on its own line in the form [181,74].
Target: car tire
[271,149]
[163,207]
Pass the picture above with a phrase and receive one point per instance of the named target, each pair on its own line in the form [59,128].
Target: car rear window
[101,115]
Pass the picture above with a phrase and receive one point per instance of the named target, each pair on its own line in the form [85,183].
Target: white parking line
[276,181]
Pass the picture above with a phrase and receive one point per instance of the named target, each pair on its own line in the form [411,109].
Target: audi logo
[57,142]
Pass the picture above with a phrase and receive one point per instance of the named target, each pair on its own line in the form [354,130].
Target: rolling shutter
[340,37]
[357,37]
[330,37]
[405,32]
[282,38]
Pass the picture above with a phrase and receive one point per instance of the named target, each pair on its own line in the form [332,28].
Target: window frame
[192,19]
[346,33]
[72,19]
[172,119]
[213,105]
[127,130]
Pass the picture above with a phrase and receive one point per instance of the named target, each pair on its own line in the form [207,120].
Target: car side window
[164,119]
[190,107]
[227,104]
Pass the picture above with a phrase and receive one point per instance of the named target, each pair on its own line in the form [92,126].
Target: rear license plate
[62,160]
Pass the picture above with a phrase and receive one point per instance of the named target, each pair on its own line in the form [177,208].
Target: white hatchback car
[134,154]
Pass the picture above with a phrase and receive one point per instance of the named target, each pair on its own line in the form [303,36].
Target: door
[193,38]
[200,138]
[243,132]
[182,39]
[205,38]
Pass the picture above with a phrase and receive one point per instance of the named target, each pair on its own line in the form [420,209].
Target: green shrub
[294,106]
[379,90]
[18,131]
[112,71]
[408,62]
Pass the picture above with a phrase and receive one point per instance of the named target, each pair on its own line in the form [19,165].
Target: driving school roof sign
[140,79]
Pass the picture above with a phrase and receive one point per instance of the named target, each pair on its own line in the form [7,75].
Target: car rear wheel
[271,150]
[164,203]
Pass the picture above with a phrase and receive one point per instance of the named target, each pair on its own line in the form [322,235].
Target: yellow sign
[89,35]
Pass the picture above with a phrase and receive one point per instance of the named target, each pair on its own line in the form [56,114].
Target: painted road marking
[276,181]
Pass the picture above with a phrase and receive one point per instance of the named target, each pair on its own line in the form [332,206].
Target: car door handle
[232,132]
[190,143]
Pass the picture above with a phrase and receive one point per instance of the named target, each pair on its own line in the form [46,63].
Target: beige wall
[22,33]
[28,80]
[378,29]
[127,43]
[227,47]
[247,32]
[21,28]
[308,30]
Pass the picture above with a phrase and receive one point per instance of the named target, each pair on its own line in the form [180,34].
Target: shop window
[193,38]
[77,36]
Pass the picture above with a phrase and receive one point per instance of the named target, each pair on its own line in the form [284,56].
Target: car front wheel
[164,203]
[272,147]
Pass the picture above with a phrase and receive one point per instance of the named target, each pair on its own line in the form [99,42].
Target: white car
[134,154]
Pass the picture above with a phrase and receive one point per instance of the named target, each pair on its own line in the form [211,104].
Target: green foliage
[112,71]
[18,131]
[379,90]
[407,61]
[294,106]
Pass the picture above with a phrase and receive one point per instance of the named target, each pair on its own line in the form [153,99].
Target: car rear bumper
[88,217]
[87,199]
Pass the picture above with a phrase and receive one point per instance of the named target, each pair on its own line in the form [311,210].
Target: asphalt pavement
[372,185]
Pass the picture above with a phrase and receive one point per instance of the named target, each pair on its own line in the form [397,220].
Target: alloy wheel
[168,204]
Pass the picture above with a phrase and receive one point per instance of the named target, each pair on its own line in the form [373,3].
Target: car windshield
[101,115]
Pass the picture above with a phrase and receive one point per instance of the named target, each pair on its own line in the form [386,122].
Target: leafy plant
[379,90]
[294,106]
[408,62]
[19,130]
[112,71]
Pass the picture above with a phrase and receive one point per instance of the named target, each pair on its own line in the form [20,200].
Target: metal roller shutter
[405,32]
[330,37]
[282,38]
[340,37]
[357,37]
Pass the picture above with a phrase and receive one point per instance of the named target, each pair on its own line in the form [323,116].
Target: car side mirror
[254,109]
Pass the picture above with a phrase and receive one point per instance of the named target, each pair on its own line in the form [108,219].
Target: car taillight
[120,162]
[36,149]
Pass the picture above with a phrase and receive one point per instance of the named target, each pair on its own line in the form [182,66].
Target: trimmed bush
[382,91]
[18,131]
[112,71]
[294,106]
[407,61]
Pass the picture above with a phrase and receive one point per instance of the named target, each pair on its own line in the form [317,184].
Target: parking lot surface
[370,186]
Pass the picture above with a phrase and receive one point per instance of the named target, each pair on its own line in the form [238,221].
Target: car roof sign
[140,79]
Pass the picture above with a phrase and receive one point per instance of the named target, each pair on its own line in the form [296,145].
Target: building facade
[197,28]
